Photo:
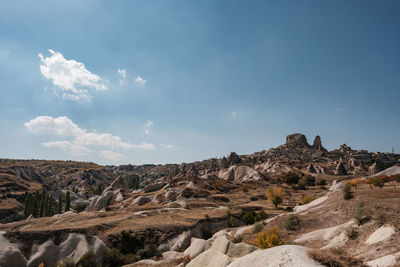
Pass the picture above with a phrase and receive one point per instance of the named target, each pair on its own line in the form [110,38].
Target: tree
[276,195]
[43,202]
[28,205]
[268,239]
[67,201]
[59,208]
[347,194]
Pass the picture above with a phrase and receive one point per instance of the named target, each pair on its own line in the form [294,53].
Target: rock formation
[340,168]
[311,169]
[318,144]
[297,140]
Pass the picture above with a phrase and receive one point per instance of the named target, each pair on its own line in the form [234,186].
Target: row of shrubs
[300,181]
[378,181]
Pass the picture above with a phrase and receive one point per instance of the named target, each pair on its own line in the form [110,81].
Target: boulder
[153,187]
[12,257]
[286,255]
[100,202]
[196,247]
[340,169]
[118,183]
[210,258]
[141,200]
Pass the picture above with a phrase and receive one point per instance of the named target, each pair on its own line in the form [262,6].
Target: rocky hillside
[173,214]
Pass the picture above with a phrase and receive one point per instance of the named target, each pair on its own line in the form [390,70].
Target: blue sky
[178,81]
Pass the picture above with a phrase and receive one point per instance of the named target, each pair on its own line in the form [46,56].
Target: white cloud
[53,126]
[70,76]
[149,123]
[146,131]
[145,146]
[63,126]
[102,139]
[140,81]
[113,156]
[233,114]
[169,146]
[122,72]
[75,149]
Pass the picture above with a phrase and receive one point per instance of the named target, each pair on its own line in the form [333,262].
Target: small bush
[268,239]
[113,258]
[378,182]
[321,182]
[87,260]
[290,178]
[130,258]
[308,180]
[65,262]
[237,239]
[80,207]
[359,213]
[351,233]
[307,199]
[249,217]
[257,227]
[347,194]
[337,251]
[261,215]
[127,242]
[291,222]
[148,252]
[379,217]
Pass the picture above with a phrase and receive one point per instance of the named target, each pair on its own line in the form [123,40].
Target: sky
[117,82]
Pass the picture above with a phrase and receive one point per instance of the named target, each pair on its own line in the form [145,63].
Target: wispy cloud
[113,156]
[169,146]
[140,81]
[234,114]
[70,77]
[122,72]
[147,126]
[75,149]
[63,126]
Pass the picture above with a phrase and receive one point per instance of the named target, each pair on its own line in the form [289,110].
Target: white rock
[381,234]
[287,255]
[196,247]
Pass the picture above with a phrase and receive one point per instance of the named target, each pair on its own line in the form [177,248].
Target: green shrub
[130,258]
[268,239]
[127,242]
[379,217]
[291,222]
[237,239]
[321,182]
[351,233]
[308,180]
[66,262]
[307,199]
[359,213]
[347,194]
[257,227]
[290,178]
[80,207]
[87,260]
[113,258]
[261,215]
[149,251]
[249,217]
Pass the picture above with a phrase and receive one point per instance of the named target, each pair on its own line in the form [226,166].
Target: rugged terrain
[192,211]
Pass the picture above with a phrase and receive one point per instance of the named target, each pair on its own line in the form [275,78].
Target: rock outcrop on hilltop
[297,140]
[318,144]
